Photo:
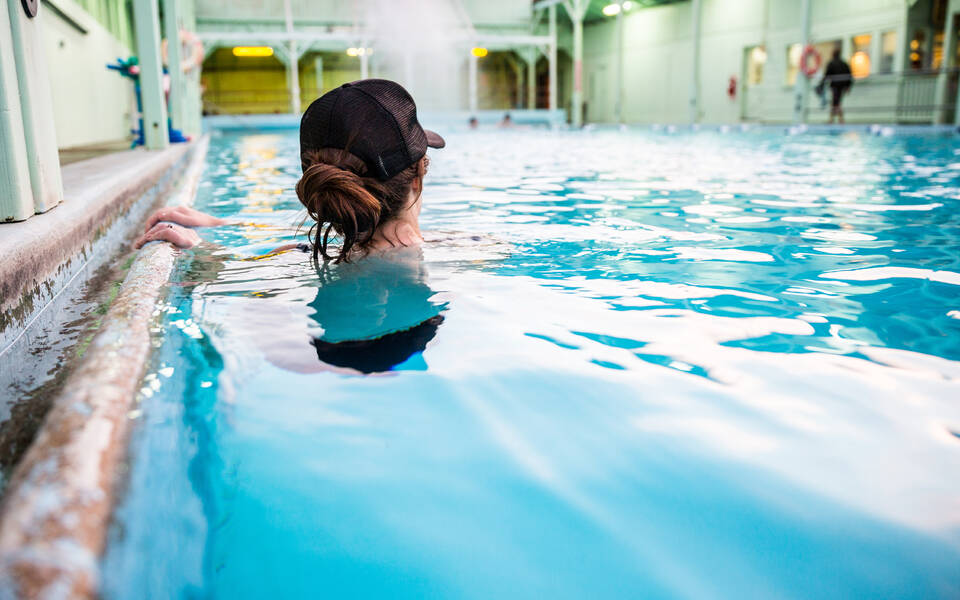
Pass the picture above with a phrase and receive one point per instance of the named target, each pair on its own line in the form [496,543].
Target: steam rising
[422,44]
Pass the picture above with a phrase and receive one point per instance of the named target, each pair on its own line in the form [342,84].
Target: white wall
[658,58]
[91,104]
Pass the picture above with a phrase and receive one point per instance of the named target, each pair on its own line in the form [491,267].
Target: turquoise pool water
[629,364]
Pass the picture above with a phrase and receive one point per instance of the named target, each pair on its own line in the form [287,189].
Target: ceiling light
[258,51]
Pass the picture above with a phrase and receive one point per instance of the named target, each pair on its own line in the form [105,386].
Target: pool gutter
[58,503]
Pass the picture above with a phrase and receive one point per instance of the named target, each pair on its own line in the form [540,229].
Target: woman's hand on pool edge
[183,215]
[182,237]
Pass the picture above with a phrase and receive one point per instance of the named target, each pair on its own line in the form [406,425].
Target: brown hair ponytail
[341,199]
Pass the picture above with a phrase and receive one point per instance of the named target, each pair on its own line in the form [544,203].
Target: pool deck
[57,505]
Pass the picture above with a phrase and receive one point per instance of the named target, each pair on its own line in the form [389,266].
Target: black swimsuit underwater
[376,314]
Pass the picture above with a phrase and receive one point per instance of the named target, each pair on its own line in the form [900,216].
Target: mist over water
[424,45]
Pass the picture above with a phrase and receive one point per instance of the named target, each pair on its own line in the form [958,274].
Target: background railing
[905,97]
[254,101]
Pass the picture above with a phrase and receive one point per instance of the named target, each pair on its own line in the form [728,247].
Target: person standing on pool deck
[363,155]
[840,79]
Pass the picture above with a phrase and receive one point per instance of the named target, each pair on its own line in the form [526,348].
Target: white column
[364,63]
[802,84]
[293,61]
[293,76]
[473,84]
[552,58]
[949,49]
[16,195]
[576,9]
[147,23]
[171,28]
[36,107]
[193,104]
[577,100]
[903,42]
[529,56]
[619,62]
[695,69]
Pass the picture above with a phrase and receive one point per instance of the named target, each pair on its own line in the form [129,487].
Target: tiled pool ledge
[57,505]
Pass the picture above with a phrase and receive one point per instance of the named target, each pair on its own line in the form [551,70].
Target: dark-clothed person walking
[840,79]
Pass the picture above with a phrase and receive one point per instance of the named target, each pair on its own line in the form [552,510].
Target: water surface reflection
[688,365]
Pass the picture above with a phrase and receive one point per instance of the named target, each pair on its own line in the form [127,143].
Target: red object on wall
[805,67]
[732,87]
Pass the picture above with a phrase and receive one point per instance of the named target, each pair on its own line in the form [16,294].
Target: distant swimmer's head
[363,155]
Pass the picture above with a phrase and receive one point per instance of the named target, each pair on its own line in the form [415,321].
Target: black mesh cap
[373,119]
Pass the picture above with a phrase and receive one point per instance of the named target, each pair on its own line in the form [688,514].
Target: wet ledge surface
[44,252]
[58,273]
[58,502]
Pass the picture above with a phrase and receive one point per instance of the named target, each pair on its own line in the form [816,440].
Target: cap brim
[434,140]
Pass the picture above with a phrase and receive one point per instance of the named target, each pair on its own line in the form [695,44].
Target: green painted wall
[114,15]
[658,59]
[91,104]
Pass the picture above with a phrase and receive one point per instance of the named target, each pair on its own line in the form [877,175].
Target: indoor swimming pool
[626,364]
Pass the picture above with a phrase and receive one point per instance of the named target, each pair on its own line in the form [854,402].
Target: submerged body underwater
[624,364]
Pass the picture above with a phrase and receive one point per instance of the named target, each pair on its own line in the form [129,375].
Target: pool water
[628,364]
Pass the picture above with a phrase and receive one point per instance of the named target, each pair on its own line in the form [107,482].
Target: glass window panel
[794,52]
[860,58]
[937,54]
[918,48]
[888,50]
[825,50]
[756,60]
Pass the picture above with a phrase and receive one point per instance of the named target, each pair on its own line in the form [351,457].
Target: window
[888,50]
[794,52]
[937,54]
[860,58]
[918,49]
[826,50]
[756,60]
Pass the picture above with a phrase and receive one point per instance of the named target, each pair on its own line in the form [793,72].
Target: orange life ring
[806,68]
[193,57]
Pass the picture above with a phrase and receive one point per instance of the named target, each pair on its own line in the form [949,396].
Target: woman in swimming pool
[363,155]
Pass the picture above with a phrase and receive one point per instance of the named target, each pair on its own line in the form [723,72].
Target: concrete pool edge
[58,503]
[43,254]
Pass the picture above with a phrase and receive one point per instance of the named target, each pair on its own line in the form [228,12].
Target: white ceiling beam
[541,4]
[489,40]
[277,36]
